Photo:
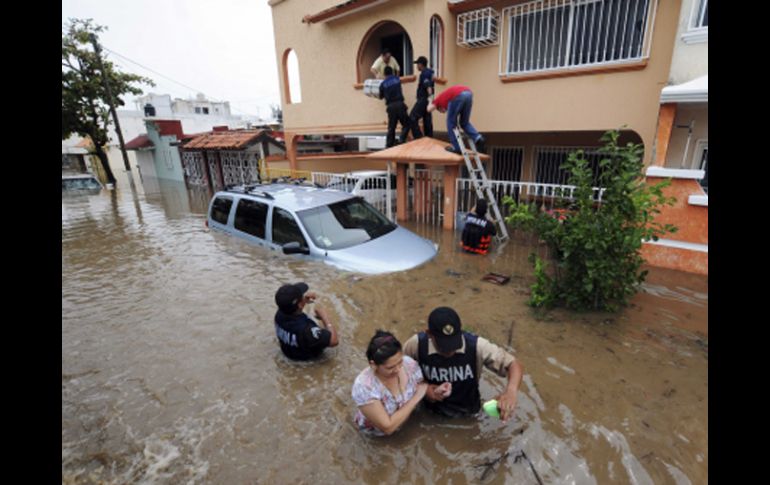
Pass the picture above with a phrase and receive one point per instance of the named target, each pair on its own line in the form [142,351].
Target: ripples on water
[171,373]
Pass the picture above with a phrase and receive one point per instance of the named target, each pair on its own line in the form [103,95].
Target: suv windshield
[344,224]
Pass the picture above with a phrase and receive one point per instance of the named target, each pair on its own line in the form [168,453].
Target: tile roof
[224,140]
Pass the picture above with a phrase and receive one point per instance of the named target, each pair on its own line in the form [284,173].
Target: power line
[170,79]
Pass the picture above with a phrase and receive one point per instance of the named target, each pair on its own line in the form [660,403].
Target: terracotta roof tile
[224,140]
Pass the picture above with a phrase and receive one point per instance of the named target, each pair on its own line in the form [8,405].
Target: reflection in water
[171,372]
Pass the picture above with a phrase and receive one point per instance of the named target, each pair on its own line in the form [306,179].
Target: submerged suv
[330,225]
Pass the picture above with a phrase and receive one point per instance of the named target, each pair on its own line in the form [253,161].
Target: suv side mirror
[294,248]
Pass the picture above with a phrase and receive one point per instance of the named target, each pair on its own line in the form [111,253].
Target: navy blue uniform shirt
[425,82]
[300,337]
[390,89]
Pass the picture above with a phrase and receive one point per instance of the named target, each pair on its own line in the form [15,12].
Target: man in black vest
[478,230]
[300,337]
[451,362]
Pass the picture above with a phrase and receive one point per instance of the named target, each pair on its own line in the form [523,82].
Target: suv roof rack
[295,181]
[249,189]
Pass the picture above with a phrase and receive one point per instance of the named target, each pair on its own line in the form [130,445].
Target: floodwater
[171,372]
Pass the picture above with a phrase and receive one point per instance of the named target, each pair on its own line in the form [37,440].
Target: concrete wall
[328,65]
[690,60]
[168,162]
[692,223]
[146,163]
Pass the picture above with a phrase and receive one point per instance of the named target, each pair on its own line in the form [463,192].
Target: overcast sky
[222,48]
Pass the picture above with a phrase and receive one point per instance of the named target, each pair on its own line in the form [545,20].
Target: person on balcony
[478,230]
[390,91]
[385,60]
[457,101]
[424,92]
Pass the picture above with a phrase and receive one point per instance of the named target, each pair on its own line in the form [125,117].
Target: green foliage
[84,100]
[596,247]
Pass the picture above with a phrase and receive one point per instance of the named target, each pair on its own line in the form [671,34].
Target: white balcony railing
[546,196]
[550,35]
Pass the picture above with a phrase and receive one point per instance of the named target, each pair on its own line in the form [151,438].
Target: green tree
[596,246]
[84,100]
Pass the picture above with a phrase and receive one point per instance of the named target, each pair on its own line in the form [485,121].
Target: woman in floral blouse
[389,389]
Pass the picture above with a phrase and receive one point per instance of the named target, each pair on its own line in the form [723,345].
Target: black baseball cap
[481,207]
[421,60]
[288,296]
[445,326]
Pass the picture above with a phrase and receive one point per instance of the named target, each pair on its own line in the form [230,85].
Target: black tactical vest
[460,370]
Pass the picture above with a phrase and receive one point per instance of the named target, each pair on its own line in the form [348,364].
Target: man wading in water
[451,362]
[300,337]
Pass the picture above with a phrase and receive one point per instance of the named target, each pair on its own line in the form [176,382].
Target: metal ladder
[481,184]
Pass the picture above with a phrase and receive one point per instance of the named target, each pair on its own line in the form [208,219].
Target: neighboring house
[226,157]
[547,75]
[683,124]
[77,156]
[73,155]
[681,149]
[163,107]
[157,152]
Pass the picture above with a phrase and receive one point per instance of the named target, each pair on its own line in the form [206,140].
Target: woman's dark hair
[382,347]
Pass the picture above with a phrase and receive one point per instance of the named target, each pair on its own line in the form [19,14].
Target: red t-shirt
[442,100]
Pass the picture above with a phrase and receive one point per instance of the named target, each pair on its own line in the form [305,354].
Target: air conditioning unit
[478,28]
[375,142]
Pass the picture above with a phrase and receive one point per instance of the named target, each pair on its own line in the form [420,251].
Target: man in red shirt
[457,101]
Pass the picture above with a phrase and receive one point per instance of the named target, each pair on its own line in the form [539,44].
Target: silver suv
[330,225]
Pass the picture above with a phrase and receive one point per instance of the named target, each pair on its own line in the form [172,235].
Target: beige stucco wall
[685,113]
[689,61]
[327,58]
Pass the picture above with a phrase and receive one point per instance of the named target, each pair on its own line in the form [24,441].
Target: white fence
[548,35]
[547,196]
[373,187]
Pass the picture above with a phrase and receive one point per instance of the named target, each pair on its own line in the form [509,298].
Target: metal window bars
[549,35]
[478,28]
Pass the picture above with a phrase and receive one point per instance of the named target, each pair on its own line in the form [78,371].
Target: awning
[423,150]
[340,10]
[695,91]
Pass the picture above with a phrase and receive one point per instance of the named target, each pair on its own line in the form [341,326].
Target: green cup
[490,407]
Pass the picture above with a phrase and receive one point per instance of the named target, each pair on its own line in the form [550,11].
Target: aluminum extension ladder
[481,184]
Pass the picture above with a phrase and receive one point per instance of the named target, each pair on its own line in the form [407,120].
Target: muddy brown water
[171,372]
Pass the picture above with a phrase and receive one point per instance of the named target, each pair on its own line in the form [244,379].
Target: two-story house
[547,75]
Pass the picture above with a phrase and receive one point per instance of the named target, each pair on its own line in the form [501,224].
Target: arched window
[437,45]
[384,34]
[291,84]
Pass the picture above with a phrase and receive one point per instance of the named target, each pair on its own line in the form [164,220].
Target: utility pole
[107,88]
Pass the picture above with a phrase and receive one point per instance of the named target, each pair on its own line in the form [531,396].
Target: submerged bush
[595,246]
